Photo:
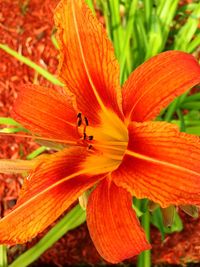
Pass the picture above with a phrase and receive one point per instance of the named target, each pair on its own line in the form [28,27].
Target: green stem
[144,259]
[3,256]
[72,220]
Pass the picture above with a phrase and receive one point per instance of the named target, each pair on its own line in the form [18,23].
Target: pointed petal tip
[161,164]
[44,110]
[155,83]
[87,63]
[113,225]
[46,194]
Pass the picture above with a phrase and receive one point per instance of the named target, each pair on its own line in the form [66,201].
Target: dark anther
[84,136]
[79,121]
[86,121]
[90,146]
[90,137]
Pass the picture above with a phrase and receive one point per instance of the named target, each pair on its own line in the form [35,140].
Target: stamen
[86,121]
[84,136]
[85,124]
[79,121]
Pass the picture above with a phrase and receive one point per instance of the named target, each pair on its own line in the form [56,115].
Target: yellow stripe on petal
[87,63]
[50,189]
[95,164]
[161,164]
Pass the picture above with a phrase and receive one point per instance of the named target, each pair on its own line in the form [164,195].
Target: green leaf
[106,13]
[13,130]
[195,105]
[186,32]
[193,130]
[116,26]
[193,116]
[9,121]
[127,38]
[31,64]
[155,37]
[138,212]
[177,226]
[193,97]
[36,152]
[157,220]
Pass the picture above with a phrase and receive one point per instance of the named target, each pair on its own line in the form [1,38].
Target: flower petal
[161,164]
[112,223]
[52,187]
[46,112]
[87,63]
[154,84]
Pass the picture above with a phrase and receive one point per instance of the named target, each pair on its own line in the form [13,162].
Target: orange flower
[114,146]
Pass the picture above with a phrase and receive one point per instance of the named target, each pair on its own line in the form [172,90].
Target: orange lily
[114,146]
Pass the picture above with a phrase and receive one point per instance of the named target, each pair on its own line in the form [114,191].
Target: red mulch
[26,26]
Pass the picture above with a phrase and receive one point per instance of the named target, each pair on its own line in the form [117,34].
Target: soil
[26,26]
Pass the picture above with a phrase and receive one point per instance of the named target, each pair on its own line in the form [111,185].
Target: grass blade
[186,32]
[36,152]
[116,26]
[127,37]
[9,121]
[31,64]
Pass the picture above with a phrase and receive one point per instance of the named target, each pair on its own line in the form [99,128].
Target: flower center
[82,124]
[109,139]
